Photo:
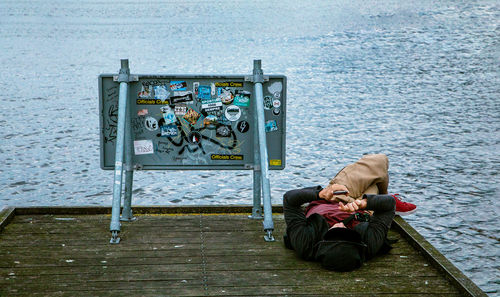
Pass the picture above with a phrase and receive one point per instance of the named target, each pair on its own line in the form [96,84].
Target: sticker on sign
[143,147]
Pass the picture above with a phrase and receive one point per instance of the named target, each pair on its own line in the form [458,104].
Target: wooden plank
[381,268]
[169,231]
[268,261]
[188,209]
[159,272]
[148,246]
[272,291]
[288,261]
[251,287]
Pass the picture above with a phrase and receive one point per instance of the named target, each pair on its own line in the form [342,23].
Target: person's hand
[337,187]
[353,206]
[327,193]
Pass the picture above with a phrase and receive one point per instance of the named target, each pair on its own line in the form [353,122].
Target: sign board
[193,122]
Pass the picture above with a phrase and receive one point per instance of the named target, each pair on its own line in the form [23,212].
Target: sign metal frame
[122,152]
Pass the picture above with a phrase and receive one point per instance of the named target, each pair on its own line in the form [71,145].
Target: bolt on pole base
[269,236]
[127,214]
[256,214]
[115,239]
[128,219]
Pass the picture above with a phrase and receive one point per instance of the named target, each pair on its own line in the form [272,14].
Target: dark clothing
[331,212]
[304,233]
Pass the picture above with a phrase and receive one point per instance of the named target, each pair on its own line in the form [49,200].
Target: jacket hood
[341,250]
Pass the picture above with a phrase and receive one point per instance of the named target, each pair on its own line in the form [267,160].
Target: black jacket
[303,233]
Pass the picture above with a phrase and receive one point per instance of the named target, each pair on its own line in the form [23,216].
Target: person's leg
[369,175]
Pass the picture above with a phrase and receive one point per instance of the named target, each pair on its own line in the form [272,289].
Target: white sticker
[276,103]
[161,92]
[275,87]
[180,110]
[233,113]
[182,93]
[151,124]
[212,89]
[143,147]
[212,104]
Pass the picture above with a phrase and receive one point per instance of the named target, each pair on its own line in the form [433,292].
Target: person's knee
[379,160]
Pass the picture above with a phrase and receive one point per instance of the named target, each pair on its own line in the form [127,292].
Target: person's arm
[294,199]
[376,232]
[301,232]
[292,202]
[380,222]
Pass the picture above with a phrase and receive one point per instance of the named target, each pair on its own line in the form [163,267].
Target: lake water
[419,82]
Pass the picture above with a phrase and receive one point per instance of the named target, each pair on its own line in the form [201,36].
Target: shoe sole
[405,213]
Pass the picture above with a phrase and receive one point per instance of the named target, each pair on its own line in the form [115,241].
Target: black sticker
[187,97]
[268,102]
[243,126]
[223,131]
[194,137]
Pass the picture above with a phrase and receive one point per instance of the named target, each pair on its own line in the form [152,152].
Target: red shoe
[403,208]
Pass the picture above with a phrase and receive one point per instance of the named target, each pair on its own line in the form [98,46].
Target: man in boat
[345,223]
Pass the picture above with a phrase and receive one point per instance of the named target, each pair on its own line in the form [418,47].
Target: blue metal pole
[258,79]
[127,214]
[123,78]
[257,201]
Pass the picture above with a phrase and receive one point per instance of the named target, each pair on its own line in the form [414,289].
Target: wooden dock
[198,251]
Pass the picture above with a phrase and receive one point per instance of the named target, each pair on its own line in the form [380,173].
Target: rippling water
[419,82]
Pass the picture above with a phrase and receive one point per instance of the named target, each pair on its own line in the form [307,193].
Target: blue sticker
[169,130]
[224,121]
[204,92]
[168,115]
[271,126]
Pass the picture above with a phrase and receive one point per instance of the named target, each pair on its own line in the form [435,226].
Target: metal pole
[257,201]
[123,78]
[129,171]
[258,79]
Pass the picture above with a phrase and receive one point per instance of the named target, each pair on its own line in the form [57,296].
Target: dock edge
[438,260]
